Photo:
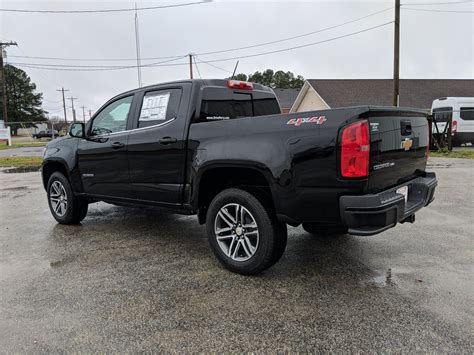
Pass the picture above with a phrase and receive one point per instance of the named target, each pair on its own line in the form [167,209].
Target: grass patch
[23,145]
[21,162]
[465,154]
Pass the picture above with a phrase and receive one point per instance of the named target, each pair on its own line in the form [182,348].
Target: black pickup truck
[222,150]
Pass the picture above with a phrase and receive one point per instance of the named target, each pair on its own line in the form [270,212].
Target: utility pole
[64,104]
[90,113]
[2,74]
[83,113]
[190,66]
[137,45]
[396,56]
[73,110]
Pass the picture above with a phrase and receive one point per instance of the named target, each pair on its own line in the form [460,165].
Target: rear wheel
[64,206]
[244,236]
[325,231]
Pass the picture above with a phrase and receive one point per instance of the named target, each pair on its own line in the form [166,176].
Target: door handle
[167,140]
[117,145]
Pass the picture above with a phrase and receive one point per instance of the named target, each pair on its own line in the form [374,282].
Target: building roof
[286,97]
[418,93]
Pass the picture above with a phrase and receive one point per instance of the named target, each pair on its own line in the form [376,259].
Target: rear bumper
[375,213]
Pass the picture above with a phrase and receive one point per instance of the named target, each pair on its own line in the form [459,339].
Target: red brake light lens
[237,84]
[455,126]
[355,150]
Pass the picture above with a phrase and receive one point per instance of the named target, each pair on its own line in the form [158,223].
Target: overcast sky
[433,44]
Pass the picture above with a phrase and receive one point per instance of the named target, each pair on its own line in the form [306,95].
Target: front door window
[112,118]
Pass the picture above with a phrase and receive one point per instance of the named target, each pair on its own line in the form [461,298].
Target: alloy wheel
[58,198]
[236,232]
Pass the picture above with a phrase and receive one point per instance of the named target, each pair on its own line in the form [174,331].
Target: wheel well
[216,180]
[50,168]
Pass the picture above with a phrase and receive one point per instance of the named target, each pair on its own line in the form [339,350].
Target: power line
[53,109]
[197,68]
[212,65]
[40,66]
[52,102]
[443,11]
[67,67]
[92,59]
[297,36]
[438,3]
[104,10]
[301,46]
[96,66]
[224,50]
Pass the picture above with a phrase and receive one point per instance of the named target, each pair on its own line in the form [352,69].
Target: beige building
[419,93]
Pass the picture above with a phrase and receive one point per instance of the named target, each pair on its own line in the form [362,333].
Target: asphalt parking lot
[130,280]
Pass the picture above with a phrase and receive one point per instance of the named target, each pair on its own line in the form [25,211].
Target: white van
[462,109]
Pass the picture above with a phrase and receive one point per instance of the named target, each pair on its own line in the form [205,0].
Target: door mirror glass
[77,130]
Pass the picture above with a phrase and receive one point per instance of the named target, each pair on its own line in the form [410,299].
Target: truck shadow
[181,240]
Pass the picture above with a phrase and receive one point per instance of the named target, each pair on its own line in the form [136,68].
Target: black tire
[280,247]
[272,234]
[74,210]
[325,231]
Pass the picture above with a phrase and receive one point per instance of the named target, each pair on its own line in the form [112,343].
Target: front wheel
[64,206]
[243,234]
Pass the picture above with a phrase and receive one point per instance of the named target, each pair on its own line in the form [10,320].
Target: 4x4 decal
[299,121]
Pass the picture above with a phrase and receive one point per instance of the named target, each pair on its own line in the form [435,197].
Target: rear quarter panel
[299,160]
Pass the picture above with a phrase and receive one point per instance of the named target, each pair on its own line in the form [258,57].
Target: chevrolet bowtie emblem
[407,143]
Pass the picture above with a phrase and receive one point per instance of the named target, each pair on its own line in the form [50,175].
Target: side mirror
[77,130]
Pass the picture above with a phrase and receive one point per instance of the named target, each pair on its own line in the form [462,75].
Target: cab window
[223,104]
[113,118]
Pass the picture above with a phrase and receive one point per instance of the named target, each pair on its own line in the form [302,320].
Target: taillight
[455,126]
[237,84]
[355,150]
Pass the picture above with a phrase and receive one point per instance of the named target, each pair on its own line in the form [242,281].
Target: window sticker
[154,107]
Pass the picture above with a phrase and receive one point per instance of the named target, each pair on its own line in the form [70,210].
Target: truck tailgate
[399,143]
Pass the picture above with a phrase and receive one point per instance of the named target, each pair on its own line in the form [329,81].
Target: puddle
[393,277]
[62,262]
[445,166]
[385,279]
[20,170]
[15,188]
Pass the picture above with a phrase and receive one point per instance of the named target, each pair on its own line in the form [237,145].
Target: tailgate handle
[405,128]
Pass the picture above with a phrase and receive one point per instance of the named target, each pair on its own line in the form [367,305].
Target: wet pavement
[22,152]
[136,280]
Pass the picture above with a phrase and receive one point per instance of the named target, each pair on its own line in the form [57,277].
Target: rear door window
[467,113]
[159,106]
